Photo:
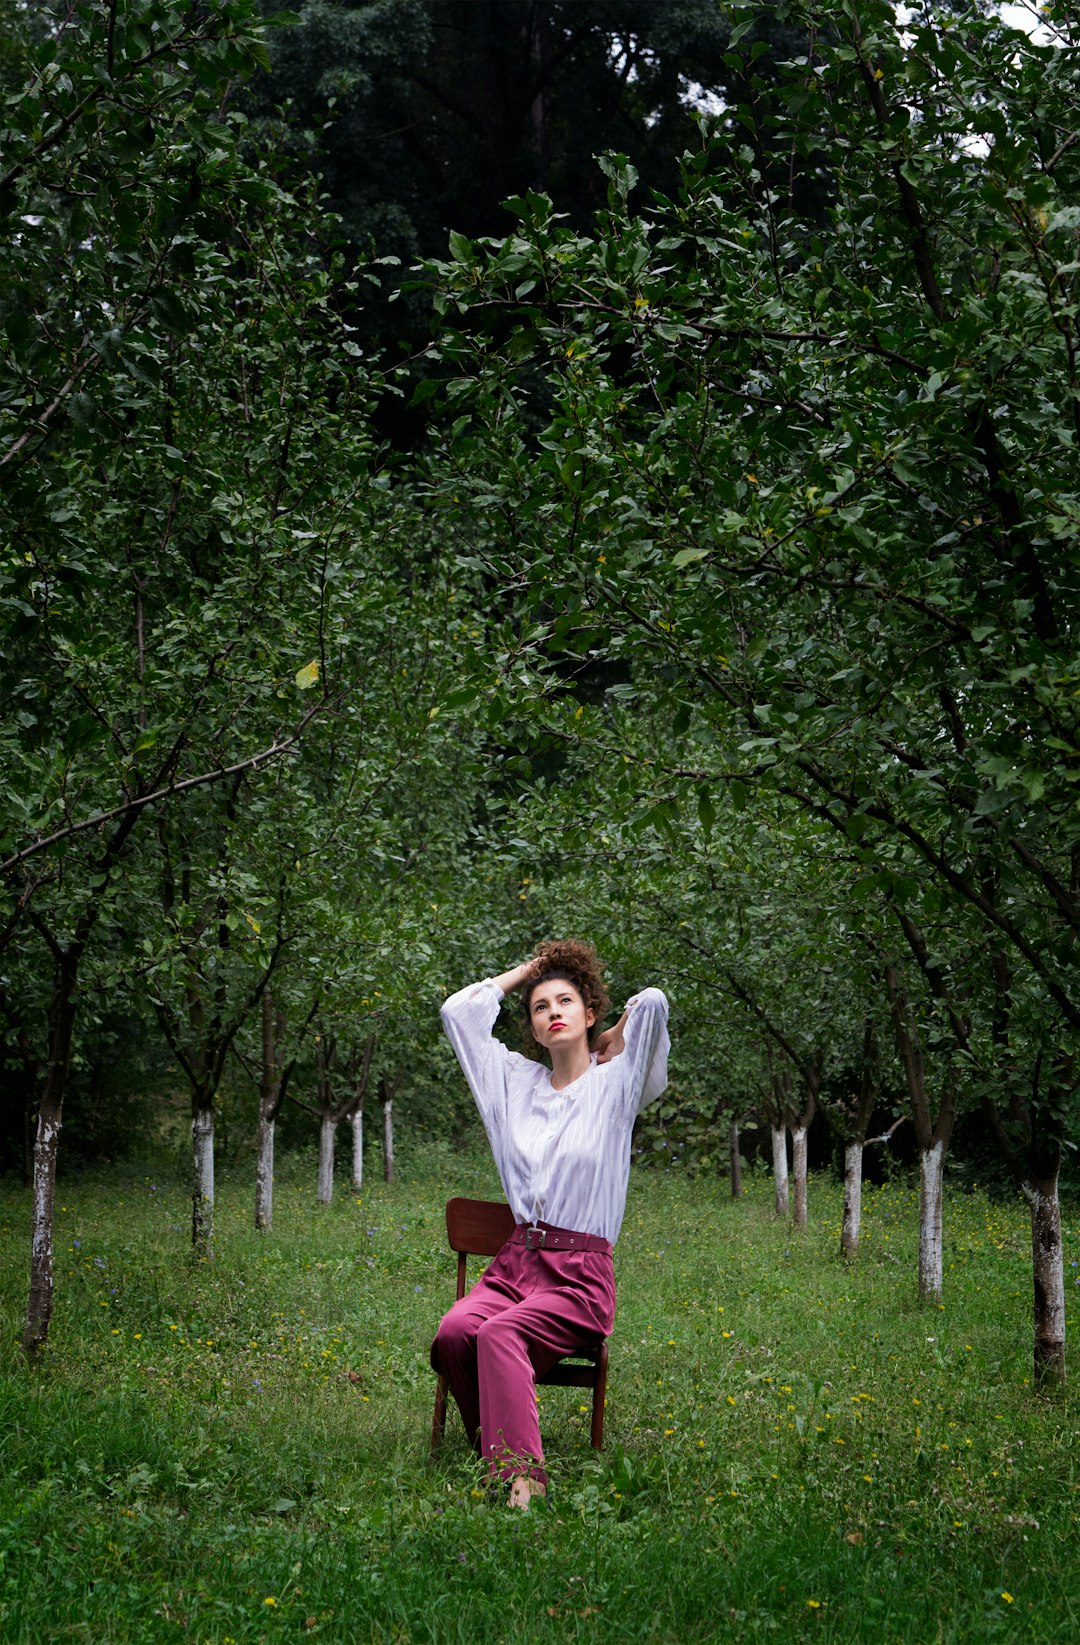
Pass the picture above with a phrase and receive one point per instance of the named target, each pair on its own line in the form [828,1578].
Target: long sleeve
[468,1018]
[646,1047]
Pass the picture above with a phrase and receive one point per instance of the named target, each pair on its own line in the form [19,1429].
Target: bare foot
[524,1488]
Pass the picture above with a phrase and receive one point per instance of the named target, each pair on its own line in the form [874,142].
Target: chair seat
[569,1375]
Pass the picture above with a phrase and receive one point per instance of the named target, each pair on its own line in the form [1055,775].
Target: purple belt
[541,1236]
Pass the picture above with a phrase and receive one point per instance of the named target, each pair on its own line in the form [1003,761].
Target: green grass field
[795,1450]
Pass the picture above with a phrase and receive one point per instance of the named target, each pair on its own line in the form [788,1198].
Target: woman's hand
[514,979]
[610,1043]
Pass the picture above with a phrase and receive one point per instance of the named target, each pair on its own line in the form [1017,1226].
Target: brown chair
[480,1228]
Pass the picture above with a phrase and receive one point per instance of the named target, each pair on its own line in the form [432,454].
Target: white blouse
[563,1156]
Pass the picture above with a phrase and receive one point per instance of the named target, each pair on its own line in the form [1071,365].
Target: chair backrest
[477,1228]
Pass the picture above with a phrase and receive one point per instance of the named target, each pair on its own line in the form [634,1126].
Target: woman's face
[558,1016]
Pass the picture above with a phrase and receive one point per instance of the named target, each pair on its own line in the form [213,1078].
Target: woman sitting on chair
[561,1141]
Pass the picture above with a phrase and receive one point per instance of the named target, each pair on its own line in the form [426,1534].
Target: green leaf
[461,247]
[425,390]
[706,811]
[170,307]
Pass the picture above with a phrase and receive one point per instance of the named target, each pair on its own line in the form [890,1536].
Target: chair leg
[596,1436]
[438,1421]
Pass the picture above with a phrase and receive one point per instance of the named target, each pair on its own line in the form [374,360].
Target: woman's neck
[568,1065]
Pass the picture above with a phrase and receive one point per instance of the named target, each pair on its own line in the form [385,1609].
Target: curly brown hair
[570,961]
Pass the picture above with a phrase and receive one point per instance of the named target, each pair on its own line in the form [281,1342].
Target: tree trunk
[734,1160]
[358,1148]
[852,1221]
[264,1175]
[1035,1168]
[798,1173]
[327,1130]
[39,1305]
[933,1140]
[536,119]
[388,1139]
[1049,1279]
[50,1112]
[360,1064]
[270,1096]
[202,1197]
[780,1170]
[931,1194]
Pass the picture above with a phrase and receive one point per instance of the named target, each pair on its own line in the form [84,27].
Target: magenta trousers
[526,1311]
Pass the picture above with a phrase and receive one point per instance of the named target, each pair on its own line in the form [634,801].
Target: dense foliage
[726,606]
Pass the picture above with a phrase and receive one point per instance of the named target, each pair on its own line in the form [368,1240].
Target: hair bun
[570,951]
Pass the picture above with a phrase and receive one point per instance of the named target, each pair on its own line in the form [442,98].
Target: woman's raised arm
[514,979]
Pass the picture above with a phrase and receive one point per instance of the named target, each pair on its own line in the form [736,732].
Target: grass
[237,1452]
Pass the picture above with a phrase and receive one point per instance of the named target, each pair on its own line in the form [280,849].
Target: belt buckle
[541,1238]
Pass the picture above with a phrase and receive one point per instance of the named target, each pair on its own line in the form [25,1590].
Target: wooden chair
[481,1227]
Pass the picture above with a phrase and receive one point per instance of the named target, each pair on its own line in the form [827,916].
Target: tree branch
[280,745]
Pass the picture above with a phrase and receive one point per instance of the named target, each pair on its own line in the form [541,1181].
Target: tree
[431,114]
[820,487]
[115,172]
[184,426]
[421,119]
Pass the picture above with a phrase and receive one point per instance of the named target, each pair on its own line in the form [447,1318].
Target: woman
[561,1140]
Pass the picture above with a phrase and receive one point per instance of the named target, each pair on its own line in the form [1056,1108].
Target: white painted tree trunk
[326,1160]
[852,1220]
[1049,1279]
[798,1174]
[931,1194]
[61,1029]
[358,1148]
[202,1198]
[41,1231]
[780,1170]
[388,1141]
[264,1175]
